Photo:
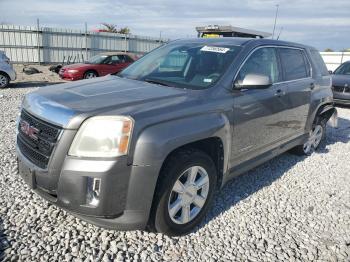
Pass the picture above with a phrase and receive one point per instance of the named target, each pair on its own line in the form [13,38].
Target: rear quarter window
[318,61]
[294,64]
[128,59]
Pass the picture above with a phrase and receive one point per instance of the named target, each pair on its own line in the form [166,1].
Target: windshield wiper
[155,81]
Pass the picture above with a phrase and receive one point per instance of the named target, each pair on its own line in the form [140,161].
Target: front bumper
[341,97]
[115,209]
[10,71]
[70,76]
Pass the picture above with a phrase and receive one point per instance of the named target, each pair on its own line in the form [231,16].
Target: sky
[322,23]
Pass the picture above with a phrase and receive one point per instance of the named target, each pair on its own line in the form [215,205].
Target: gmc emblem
[29,130]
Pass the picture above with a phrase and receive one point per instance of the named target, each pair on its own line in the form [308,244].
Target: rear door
[297,75]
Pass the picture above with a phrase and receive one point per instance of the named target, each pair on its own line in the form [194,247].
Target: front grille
[38,149]
[341,89]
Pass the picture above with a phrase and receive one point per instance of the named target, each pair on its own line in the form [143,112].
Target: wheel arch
[6,74]
[325,109]
[157,143]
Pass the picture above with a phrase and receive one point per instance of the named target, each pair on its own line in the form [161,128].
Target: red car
[99,65]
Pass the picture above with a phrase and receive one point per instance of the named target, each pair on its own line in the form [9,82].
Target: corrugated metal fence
[28,44]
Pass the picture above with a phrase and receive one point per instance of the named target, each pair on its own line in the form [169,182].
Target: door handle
[280,93]
[312,86]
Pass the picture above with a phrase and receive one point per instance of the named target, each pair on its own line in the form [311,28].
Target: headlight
[72,71]
[102,136]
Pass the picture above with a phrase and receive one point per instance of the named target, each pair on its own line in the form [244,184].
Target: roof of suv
[241,41]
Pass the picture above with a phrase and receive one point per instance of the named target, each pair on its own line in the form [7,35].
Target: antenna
[280,32]
[274,25]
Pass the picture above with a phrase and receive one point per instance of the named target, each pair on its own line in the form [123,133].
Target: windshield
[194,66]
[344,69]
[98,59]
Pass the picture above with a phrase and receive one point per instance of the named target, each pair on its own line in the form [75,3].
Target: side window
[294,64]
[122,58]
[111,60]
[321,67]
[262,62]
[115,59]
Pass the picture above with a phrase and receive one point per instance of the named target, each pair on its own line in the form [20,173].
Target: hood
[59,104]
[340,80]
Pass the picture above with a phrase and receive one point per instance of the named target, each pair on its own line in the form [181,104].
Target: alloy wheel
[188,195]
[315,137]
[90,75]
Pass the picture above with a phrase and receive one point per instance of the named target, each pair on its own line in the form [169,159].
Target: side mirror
[253,81]
[330,72]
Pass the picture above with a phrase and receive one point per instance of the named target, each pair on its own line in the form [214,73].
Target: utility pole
[274,25]
[126,42]
[86,43]
[278,37]
[160,36]
[38,39]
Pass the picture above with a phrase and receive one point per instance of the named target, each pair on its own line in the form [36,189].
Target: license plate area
[27,175]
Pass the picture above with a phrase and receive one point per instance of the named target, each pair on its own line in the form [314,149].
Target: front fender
[156,142]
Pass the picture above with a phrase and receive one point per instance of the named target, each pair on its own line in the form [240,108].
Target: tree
[328,50]
[124,30]
[111,28]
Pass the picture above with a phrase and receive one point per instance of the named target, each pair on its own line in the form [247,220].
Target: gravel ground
[290,208]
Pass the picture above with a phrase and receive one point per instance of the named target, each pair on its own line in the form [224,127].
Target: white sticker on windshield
[215,49]
[207,80]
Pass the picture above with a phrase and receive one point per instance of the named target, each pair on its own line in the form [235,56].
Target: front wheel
[315,138]
[186,188]
[90,74]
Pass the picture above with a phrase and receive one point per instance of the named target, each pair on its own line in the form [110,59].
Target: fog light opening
[93,191]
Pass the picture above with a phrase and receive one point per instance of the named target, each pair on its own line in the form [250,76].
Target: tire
[90,74]
[4,80]
[315,139]
[176,170]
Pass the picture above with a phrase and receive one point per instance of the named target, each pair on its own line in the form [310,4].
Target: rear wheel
[90,74]
[186,188]
[4,80]
[315,138]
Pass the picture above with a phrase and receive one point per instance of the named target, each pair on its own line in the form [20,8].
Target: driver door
[112,65]
[257,112]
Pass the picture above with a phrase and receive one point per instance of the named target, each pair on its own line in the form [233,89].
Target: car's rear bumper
[12,75]
[8,69]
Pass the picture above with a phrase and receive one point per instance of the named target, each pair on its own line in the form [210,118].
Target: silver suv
[149,147]
[7,73]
